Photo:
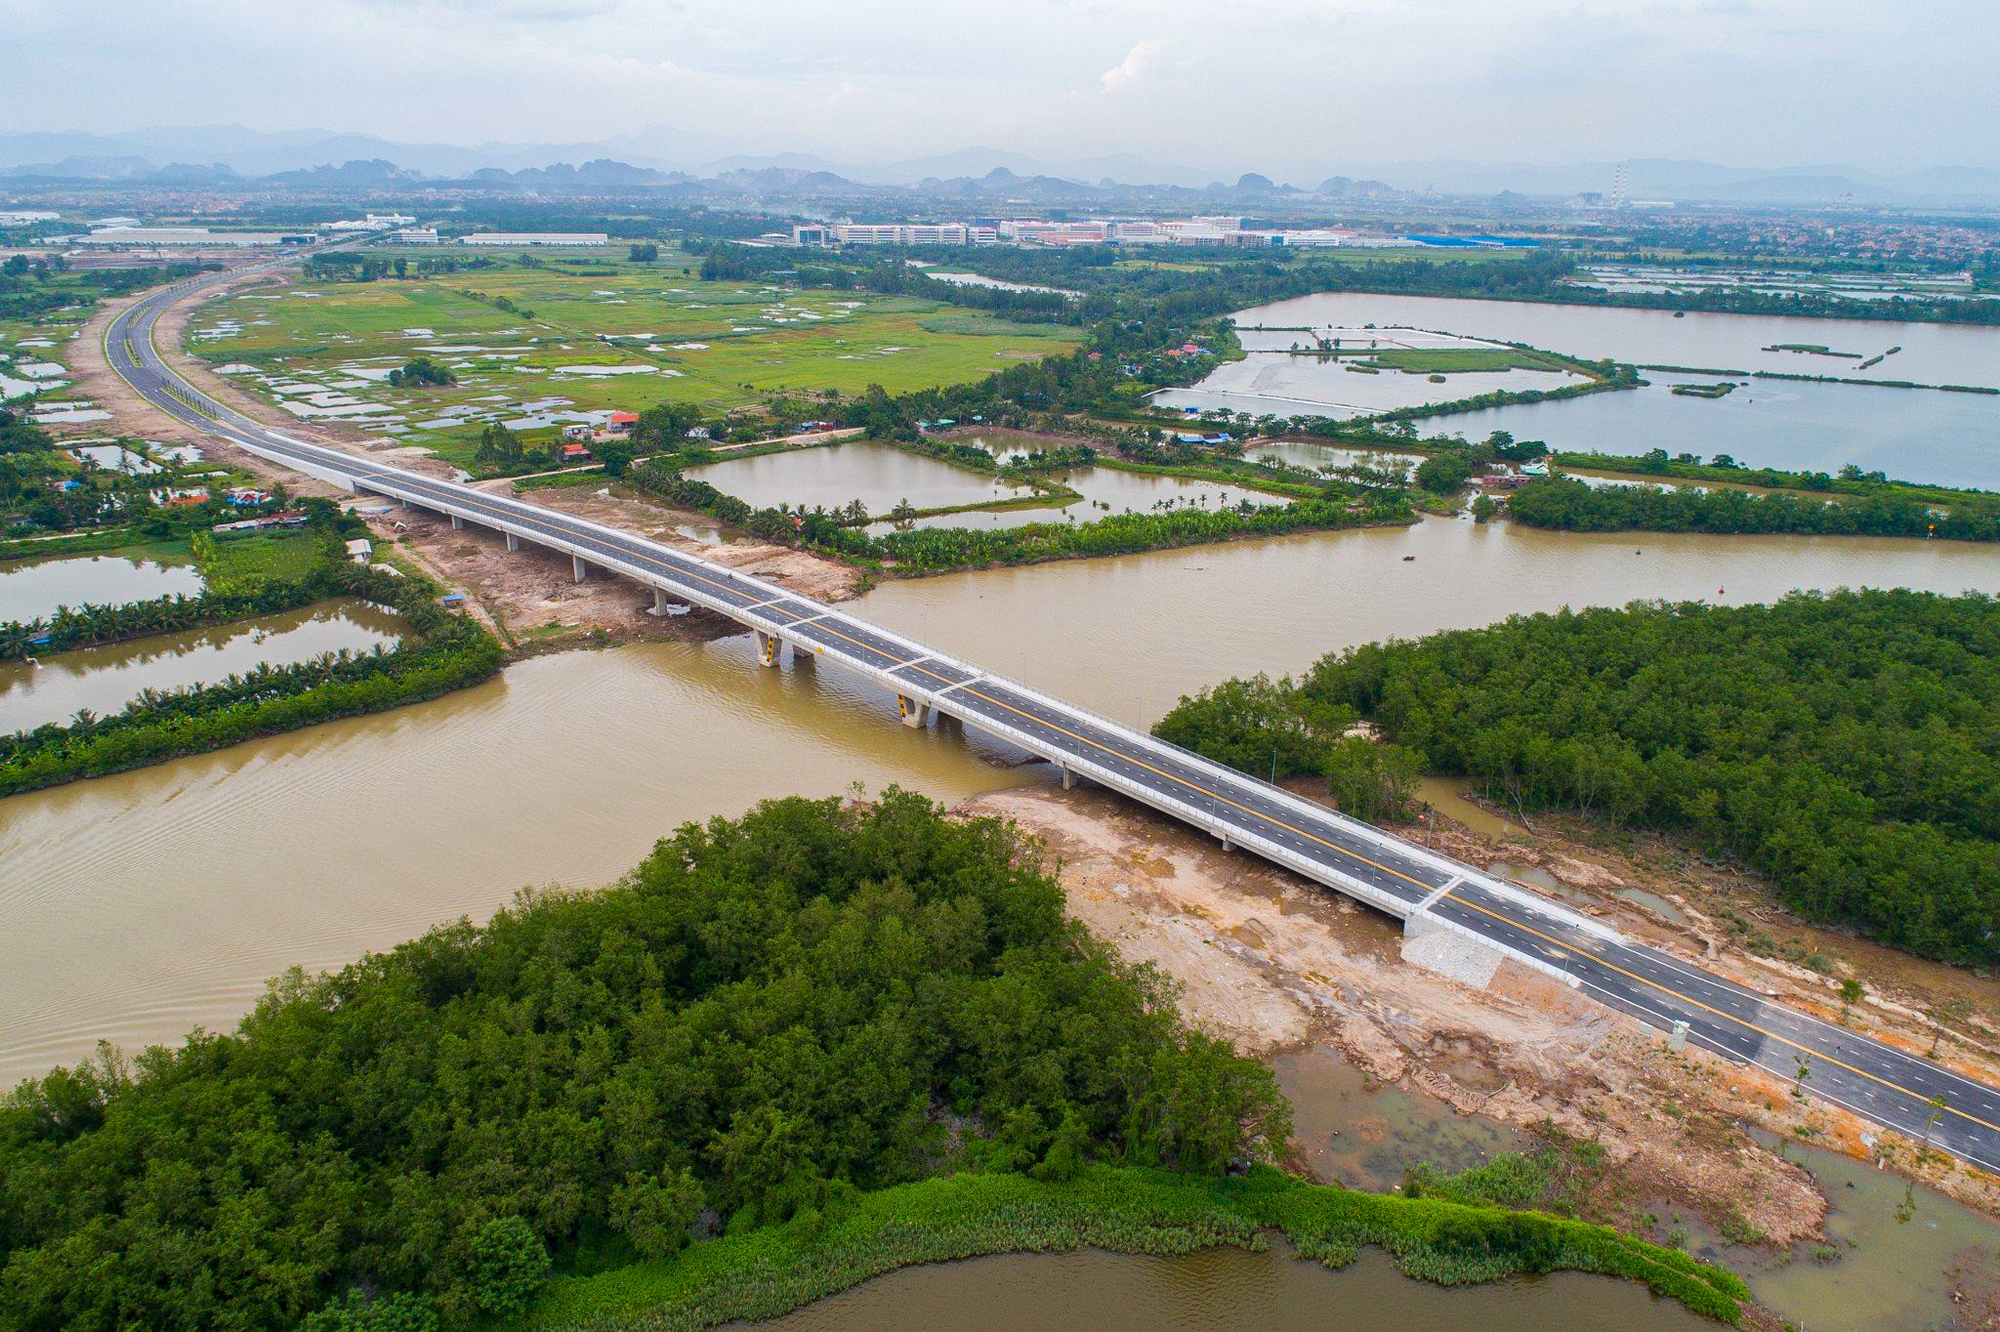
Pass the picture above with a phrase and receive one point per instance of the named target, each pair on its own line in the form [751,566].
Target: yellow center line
[1771,1035]
[1508,920]
[1332,846]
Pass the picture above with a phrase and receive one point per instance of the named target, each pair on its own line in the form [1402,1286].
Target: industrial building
[893,233]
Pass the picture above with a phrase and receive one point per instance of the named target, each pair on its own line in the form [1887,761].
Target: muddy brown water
[105,679]
[1355,1131]
[32,591]
[1219,1289]
[1128,636]
[142,904]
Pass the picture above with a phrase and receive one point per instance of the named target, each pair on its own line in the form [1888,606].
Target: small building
[573,451]
[283,520]
[179,498]
[360,550]
[245,495]
[621,423]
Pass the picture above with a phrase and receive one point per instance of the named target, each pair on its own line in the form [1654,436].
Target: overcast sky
[1293,87]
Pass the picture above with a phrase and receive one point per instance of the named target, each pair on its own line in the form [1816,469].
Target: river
[314,846]
[144,904]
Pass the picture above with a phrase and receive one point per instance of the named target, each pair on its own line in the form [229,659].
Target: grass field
[617,335]
[283,556]
[1460,360]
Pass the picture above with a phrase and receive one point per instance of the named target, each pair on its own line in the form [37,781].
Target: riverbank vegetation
[786,1052]
[1842,746]
[1124,1210]
[1566,504]
[245,577]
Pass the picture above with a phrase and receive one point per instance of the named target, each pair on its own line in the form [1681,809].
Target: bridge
[1427,891]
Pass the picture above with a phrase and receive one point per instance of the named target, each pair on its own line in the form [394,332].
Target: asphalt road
[1880,1082]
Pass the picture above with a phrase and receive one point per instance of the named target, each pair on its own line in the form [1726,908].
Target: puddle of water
[1900,1246]
[1447,795]
[1654,902]
[1360,1133]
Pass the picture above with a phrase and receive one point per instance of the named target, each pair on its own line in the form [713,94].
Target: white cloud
[1126,72]
[876,80]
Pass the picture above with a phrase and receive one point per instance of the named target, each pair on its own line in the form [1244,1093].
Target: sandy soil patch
[532,597]
[1272,962]
[1733,925]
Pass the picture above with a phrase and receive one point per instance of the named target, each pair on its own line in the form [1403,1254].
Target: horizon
[1743,84]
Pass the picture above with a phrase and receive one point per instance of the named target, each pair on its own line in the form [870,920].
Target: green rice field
[539,347]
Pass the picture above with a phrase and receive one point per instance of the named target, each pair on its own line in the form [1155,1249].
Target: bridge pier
[513,542]
[768,646]
[1069,778]
[581,567]
[457,523]
[915,715]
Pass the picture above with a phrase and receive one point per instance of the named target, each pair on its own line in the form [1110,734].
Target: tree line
[1566,504]
[441,651]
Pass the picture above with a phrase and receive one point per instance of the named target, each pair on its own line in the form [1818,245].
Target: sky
[1295,89]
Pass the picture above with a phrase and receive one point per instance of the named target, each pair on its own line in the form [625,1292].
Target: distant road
[1914,1095]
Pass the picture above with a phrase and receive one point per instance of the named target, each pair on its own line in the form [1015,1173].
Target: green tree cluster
[766,1016]
[1846,746]
[422,372]
[1570,505]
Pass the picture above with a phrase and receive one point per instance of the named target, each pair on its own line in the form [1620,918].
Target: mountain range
[662,156]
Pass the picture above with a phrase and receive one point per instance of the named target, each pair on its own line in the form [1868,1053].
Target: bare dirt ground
[1733,925]
[532,595]
[1275,964]
[1271,962]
